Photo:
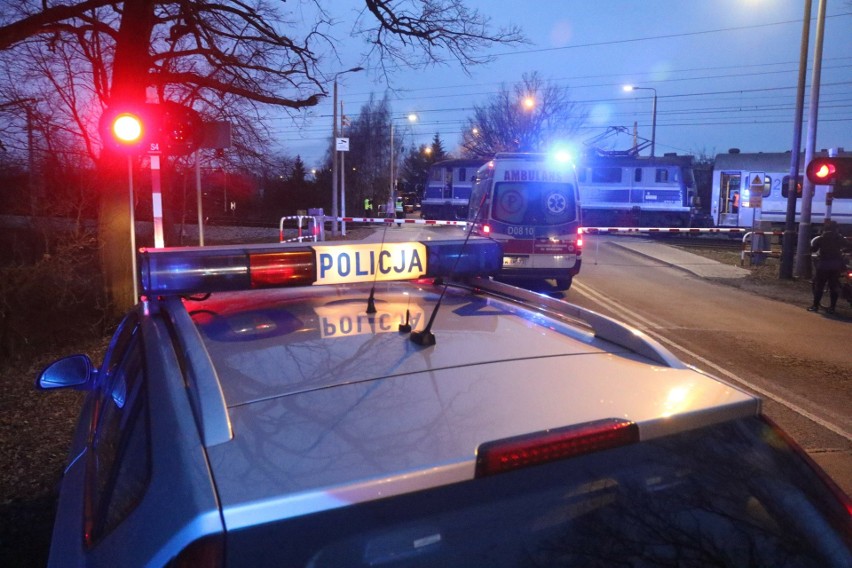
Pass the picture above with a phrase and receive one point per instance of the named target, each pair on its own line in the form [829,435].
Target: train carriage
[732,175]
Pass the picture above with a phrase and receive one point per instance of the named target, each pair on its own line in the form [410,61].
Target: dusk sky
[725,73]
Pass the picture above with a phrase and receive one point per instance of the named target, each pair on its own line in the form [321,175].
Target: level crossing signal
[168,128]
[832,171]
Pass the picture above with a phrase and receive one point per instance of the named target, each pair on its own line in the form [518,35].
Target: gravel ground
[35,428]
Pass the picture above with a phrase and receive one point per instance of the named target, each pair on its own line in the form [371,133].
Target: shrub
[55,301]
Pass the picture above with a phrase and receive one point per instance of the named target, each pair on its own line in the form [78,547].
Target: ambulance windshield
[534,203]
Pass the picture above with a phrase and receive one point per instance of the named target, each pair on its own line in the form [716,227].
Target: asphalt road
[799,364]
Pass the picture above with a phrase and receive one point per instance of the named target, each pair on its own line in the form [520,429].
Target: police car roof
[330,405]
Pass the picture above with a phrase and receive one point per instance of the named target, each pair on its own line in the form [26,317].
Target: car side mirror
[75,371]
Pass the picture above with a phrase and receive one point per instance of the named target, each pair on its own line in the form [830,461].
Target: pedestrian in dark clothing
[830,264]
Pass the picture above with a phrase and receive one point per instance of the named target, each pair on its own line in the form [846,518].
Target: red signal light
[169,127]
[127,128]
[825,171]
[835,171]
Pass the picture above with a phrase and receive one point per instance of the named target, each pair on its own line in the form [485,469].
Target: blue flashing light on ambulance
[530,204]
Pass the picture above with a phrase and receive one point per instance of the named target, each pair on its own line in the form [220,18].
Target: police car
[389,404]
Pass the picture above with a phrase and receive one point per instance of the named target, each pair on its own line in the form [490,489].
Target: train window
[437,174]
[606,175]
[581,175]
[662,175]
[462,174]
[637,174]
[767,186]
[785,185]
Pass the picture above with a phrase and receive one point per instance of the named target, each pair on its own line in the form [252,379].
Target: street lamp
[629,88]
[334,152]
[411,118]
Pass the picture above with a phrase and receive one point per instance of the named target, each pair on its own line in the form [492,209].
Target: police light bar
[200,270]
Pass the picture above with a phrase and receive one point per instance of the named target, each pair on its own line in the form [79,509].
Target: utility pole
[788,244]
[803,249]
[334,164]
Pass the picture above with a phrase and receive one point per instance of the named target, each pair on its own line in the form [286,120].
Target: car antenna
[426,338]
[371,302]
[406,327]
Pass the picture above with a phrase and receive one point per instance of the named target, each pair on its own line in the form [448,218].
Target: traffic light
[128,128]
[168,128]
[179,129]
[832,171]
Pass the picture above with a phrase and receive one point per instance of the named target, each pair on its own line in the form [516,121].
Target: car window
[730,495]
[121,444]
[118,345]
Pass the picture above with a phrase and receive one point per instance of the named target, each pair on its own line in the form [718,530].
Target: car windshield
[729,495]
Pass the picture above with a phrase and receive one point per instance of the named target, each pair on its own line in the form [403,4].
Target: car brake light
[580,238]
[508,454]
[486,229]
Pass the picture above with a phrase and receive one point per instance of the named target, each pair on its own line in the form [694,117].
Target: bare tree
[528,118]
[228,59]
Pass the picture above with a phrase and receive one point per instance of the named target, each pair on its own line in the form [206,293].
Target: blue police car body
[245,415]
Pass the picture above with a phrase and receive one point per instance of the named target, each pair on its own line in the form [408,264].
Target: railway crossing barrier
[758,245]
[311,227]
[308,228]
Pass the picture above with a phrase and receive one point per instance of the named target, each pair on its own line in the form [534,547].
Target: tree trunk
[129,81]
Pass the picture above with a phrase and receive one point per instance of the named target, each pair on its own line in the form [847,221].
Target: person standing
[829,265]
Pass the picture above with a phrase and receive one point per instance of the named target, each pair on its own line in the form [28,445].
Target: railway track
[719,242]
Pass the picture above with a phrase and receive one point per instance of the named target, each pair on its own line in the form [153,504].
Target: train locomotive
[638,191]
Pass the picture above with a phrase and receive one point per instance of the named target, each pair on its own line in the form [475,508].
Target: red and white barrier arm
[675,230]
[401,221]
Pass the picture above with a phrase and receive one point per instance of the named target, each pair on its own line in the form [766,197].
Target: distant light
[628,88]
[412,117]
[529,103]
[475,131]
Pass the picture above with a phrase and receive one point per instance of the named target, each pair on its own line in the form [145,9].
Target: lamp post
[411,118]
[334,152]
[629,88]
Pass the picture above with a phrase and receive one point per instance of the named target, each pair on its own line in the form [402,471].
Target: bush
[55,301]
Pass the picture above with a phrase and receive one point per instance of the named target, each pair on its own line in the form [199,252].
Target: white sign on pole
[755,190]
[343,144]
